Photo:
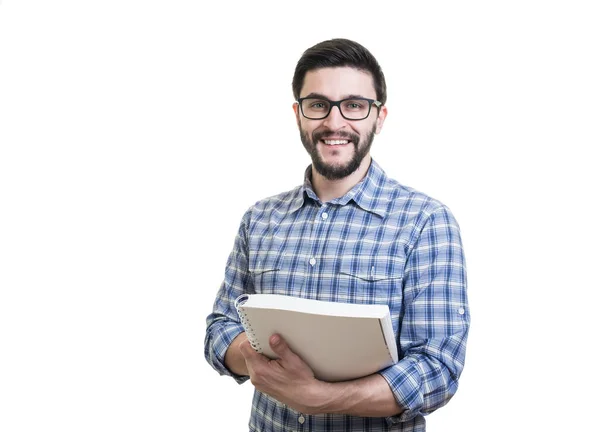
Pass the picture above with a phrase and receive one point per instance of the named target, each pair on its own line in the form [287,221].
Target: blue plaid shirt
[380,243]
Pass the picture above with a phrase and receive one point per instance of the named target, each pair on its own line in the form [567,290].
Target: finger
[247,350]
[249,353]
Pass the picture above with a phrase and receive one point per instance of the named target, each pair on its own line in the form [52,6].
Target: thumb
[280,346]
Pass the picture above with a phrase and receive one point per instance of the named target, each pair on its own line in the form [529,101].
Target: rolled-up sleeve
[435,320]
[223,324]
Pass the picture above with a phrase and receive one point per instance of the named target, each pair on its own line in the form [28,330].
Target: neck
[328,190]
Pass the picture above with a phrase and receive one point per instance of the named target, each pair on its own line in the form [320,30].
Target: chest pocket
[372,279]
[269,273]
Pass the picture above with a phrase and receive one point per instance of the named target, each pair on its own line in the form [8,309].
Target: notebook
[339,341]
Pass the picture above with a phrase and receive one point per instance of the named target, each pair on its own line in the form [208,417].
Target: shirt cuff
[222,342]
[404,380]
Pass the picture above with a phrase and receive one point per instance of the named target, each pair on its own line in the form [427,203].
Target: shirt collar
[369,194]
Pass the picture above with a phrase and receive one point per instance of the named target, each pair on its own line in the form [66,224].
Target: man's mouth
[333,142]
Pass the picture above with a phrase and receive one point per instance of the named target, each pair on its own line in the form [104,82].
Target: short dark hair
[339,53]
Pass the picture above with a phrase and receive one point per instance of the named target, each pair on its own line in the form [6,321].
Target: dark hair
[339,53]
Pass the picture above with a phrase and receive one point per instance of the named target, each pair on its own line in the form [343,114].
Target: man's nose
[334,120]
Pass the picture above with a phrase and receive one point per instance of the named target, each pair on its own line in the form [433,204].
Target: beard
[338,171]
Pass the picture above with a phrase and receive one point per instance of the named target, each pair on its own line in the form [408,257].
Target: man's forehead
[338,82]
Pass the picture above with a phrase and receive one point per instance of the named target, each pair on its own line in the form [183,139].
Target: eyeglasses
[351,109]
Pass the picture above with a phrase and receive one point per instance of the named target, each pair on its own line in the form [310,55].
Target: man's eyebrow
[322,96]
[316,95]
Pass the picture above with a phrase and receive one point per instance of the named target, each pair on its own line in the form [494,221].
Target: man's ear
[296,108]
[381,118]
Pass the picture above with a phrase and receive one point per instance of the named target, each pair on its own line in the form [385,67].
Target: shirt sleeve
[435,321]
[223,324]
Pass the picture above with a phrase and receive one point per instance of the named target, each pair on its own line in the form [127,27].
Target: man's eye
[318,105]
[354,105]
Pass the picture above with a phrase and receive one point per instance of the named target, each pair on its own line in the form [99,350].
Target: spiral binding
[246,322]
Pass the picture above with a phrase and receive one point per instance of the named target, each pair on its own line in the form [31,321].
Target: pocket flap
[265,261]
[372,268]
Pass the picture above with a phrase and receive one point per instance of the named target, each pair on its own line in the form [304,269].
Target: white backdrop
[130,150]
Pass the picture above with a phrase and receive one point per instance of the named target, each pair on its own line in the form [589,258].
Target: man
[348,234]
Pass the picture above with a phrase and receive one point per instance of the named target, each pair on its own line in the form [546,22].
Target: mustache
[317,135]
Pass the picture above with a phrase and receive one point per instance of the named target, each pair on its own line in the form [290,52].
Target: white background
[130,149]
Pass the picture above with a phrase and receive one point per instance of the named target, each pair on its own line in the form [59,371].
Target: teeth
[335,142]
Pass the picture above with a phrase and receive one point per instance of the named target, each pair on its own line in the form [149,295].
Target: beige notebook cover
[339,341]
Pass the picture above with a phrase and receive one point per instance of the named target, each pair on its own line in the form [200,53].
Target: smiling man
[339,141]
[348,234]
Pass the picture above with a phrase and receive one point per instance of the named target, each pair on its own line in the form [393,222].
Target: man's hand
[288,379]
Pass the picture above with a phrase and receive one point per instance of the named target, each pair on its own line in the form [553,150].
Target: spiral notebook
[339,341]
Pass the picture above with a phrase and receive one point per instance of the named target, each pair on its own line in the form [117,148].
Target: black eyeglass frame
[332,104]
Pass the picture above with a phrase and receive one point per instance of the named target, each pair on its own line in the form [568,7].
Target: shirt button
[301,419]
[324,215]
[312,261]
[461,311]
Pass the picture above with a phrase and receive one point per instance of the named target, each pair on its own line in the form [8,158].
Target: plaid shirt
[380,243]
